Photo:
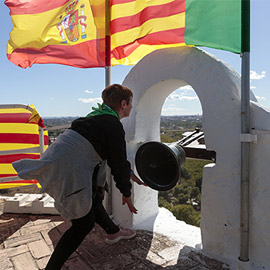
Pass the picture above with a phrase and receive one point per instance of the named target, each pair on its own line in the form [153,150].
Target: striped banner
[72,32]
[139,27]
[68,32]
[19,131]
[19,183]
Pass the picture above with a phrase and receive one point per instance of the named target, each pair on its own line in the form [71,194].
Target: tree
[183,198]
[163,203]
[185,174]
[194,193]
[187,213]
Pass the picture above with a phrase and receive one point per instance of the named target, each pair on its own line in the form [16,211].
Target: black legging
[80,227]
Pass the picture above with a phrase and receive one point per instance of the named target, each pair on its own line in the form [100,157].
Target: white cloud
[174,97]
[186,88]
[252,87]
[88,92]
[255,76]
[188,98]
[260,98]
[171,111]
[90,100]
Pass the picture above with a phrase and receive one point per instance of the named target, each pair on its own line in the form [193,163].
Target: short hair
[114,94]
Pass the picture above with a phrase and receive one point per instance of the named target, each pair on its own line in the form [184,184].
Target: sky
[58,90]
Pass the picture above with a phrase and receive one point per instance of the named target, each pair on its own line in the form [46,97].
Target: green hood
[101,110]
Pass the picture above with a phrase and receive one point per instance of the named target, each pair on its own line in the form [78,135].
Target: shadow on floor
[146,251]
[30,239]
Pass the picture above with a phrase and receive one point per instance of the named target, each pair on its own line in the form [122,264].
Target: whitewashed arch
[218,88]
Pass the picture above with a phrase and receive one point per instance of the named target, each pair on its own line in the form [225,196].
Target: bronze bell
[159,164]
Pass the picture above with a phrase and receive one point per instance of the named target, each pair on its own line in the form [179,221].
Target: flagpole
[108,81]
[107,43]
[245,131]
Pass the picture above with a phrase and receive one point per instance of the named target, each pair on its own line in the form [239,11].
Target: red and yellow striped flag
[140,27]
[17,136]
[73,32]
[69,32]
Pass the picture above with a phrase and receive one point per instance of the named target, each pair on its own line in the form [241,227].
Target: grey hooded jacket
[65,172]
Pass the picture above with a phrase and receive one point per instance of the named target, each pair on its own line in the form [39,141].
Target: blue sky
[58,90]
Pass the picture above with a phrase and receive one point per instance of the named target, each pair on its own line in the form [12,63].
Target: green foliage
[180,122]
[185,173]
[171,136]
[187,214]
[164,203]
[184,200]
[194,192]
[195,167]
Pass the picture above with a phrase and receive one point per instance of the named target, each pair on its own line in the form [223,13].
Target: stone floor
[26,242]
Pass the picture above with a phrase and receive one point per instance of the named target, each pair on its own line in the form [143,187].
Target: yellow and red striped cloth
[59,31]
[72,32]
[140,27]
[19,130]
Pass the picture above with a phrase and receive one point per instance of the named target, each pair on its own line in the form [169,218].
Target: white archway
[218,88]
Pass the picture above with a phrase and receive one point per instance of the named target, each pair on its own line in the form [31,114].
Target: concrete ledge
[23,203]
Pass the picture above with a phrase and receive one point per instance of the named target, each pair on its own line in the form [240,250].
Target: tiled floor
[26,242]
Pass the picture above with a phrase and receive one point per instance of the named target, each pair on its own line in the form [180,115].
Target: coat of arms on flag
[68,32]
[68,25]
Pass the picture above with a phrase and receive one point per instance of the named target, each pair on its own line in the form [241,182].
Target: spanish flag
[68,32]
[72,32]
[19,139]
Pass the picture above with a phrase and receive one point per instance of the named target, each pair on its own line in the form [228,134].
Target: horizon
[48,117]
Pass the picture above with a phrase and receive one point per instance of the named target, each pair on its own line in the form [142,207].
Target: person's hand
[128,201]
[137,180]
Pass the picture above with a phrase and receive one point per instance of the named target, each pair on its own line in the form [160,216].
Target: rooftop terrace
[27,241]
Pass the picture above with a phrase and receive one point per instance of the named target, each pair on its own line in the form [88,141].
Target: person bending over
[73,171]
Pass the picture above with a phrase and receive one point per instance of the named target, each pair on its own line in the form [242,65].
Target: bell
[159,164]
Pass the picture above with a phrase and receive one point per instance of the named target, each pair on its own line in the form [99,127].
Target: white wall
[218,88]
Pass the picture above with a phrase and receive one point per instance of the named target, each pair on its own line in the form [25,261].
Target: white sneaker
[124,233]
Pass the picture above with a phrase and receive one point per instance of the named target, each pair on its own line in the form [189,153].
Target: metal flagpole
[245,131]
[108,81]
[107,43]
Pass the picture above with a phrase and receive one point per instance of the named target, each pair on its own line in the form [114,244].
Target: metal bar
[245,129]
[245,158]
[107,43]
[20,151]
[107,75]
[41,140]
[180,142]
[199,153]
[12,106]
[10,179]
[196,137]
[108,81]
